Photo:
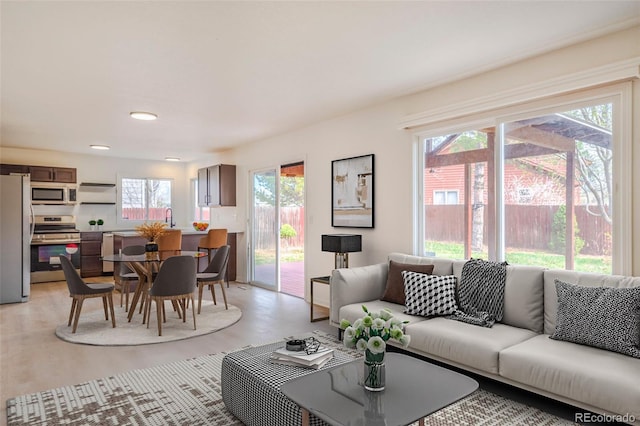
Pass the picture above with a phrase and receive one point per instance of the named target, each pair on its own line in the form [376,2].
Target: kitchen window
[145,199]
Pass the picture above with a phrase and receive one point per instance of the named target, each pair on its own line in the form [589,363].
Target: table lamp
[342,245]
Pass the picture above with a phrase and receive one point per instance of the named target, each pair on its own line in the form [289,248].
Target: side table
[321,280]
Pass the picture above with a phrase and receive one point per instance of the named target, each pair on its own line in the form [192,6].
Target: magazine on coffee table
[301,358]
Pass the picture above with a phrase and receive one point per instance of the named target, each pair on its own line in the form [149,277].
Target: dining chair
[169,243]
[127,277]
[79,290]
[176,281]
[214,274]
[214,239]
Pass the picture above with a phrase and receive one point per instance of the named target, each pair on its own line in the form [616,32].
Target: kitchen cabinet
[7,169]
[52,174]
[90,254]
[41,173]
[217,185]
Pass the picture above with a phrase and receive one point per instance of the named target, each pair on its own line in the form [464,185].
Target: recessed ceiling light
[172,158]
[141,115]
[102,147]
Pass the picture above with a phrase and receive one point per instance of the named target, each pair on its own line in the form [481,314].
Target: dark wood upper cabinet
[52,174]
[217,185]
[42,173]
[7,169]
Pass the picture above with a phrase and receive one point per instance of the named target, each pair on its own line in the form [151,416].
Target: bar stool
[214,239]
[169,243]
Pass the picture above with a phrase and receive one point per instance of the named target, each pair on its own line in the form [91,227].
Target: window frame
[620,95]
[119,206]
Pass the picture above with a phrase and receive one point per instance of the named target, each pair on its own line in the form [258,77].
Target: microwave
[53,193]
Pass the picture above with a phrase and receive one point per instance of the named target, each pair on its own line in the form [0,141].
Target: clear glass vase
[374,371]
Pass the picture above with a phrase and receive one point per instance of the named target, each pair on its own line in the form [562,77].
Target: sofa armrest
[356,285]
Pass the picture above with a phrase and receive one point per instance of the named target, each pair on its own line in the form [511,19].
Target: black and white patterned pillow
[429,295]
[603,317]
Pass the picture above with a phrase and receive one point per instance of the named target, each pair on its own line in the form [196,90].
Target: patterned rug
[188,393]
[94,330]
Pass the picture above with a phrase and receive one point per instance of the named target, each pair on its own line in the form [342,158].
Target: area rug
[94,330]
[188,393]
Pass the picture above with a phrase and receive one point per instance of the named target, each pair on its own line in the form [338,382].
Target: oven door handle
[53,242]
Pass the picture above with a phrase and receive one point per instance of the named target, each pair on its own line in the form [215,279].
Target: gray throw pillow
[394,292]
[603,317]
[429,295]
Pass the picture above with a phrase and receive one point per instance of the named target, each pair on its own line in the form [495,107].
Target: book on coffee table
[301,358]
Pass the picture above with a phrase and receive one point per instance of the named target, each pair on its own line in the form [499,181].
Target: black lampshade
[342,243]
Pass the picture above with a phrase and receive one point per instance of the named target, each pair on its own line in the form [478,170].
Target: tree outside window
[556,187]
[145,199]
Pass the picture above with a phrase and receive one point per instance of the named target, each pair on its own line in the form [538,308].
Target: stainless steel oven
[53,236]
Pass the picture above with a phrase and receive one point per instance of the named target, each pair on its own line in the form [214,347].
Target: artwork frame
[352,192]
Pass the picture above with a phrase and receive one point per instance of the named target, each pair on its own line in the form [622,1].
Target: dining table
[145,266]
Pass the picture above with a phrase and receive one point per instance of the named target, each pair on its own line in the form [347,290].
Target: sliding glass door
[265,224]
[277,229]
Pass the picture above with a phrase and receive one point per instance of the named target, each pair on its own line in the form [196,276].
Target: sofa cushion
[353,285]
[440,266]
[524,297]
[466,344]
[394,291]
[354,311]
[429,295]
[593,376]
[603,317]
[577,278]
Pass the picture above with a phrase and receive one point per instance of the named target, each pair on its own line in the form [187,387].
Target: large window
[538,189]
[145,199]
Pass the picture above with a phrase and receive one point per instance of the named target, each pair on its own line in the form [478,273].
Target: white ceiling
[220,74]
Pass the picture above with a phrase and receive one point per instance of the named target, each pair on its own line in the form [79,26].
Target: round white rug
[94,330]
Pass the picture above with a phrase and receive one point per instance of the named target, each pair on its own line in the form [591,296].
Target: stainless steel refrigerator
[15,238]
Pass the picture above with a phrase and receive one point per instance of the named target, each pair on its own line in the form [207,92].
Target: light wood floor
[33,359]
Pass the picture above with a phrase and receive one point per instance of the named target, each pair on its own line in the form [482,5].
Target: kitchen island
[190,240]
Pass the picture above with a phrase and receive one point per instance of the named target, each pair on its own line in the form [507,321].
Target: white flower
[367,321]
[378,324]
[349,333]
[395,322]
[385,314]
[376,344]
[396,333]
[405,340]
[371,332]
[361,345]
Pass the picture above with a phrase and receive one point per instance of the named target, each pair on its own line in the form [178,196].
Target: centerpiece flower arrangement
[370,334]
[151,231]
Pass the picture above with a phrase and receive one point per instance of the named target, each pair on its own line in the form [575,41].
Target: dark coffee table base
[251,387]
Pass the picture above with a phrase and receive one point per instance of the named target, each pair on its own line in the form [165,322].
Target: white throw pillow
[429,295]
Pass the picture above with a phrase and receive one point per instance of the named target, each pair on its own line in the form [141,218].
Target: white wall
[374,130]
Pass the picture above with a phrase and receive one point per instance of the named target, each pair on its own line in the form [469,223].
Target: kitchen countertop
[185,231]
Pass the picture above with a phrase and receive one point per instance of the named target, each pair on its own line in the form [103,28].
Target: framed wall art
[352,192]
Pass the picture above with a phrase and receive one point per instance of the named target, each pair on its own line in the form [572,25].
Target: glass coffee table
[414,389]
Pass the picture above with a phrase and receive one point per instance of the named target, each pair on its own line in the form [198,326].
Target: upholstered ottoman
[251,386]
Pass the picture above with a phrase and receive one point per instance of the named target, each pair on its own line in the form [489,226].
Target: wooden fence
[527,227]
[264,221]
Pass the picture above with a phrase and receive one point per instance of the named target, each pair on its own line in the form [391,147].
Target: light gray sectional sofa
[517,350]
